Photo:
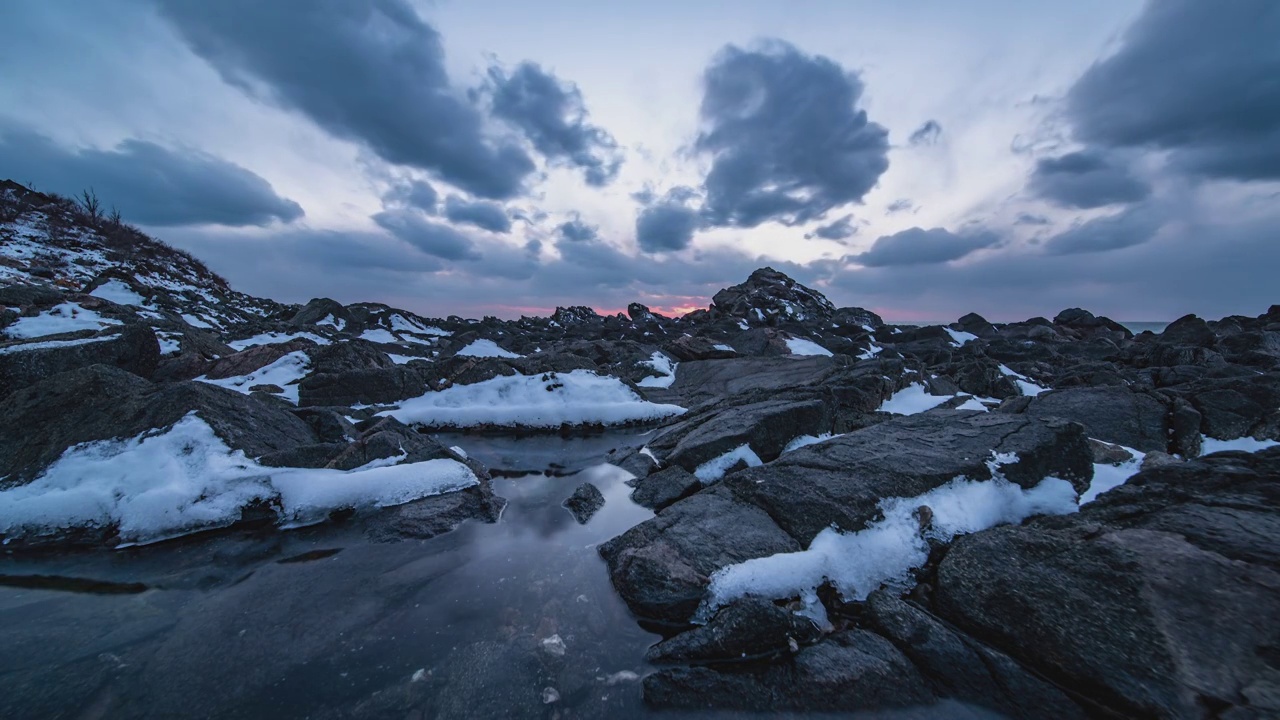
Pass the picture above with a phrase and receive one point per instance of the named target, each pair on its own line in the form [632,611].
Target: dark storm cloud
[916,246]
[668,224]
[484,215]
[366,70]
[1195,78]
[838,230]
[926,134]
[414,193]
[552,114]
[1133,226]
[577,231]
[787,139]
[430,237]
[1086,179]
[149,184]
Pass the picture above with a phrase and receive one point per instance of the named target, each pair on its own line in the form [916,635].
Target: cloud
[1133,226]
[414,193]
[149,183]
[838,230]
[577,231]
[370,71]
[1197,79]
[1086,179]
[552,114]
[484,215]
[1026,218]
[926,134]
[900,205]
[668,224]
[786,138]
[432,238]
[916,246]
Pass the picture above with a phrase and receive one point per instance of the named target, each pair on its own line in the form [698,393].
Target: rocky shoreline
[1051,518]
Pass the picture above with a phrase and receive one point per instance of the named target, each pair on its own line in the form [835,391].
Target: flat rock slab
[1111,413]
[842,481]
[662,566]
[1160,599]
[766,426]
[665,487]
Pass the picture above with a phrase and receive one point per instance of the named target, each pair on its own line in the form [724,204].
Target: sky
[922,159]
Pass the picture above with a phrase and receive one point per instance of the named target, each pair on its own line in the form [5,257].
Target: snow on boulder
[486,348]
[63,318]
[665,368]
[802,346]
[911,400]
[284,373]
[159,485]
[274,338]
[534,401]
[118,292]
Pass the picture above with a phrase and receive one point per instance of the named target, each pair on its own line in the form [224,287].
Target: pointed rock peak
[642,313]
[770,294]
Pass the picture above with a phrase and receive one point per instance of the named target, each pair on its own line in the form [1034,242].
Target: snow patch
[271,338]
[911,400]
[401,323]
[64,318]
[160,485]
[715,468]
[1107,477]
[959,336]
[541,401]
[871,351]
[1247,444]
[805,441]
[1027,387]
[486,348]
[284,372]
[118,292]
[802,346]
[664,367]
[379,335]
[50,344]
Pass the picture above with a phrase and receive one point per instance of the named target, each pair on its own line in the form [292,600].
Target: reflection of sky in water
[228,631]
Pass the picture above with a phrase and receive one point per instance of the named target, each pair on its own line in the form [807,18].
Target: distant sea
[1134,327]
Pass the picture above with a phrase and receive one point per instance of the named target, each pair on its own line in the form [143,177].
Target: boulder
[664,487]
[841,482]
[585,501]
[851,671]
[1160,599]
[766,426]
[374,386]
[133,348]
[746,630]
[688,347]
[1114,414]
[770,295]
[959,667]
[101,402]
[254,358]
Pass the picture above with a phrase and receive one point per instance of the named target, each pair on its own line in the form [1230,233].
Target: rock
[320,309]
[329,424]
[1108,454]
[1236,407]
[431,516]
[745,630]
[960,667]
[976,324]
[687,347]
[585,501]
[850,671]
[101,402]
[766,426]
[132,348]
[701,381]
[1112,414]
[1189,330]
[662,488]
[661,566]
[1160,599]
[842,481]
[389,438]
[633,461]
[375,386]
[346,356]
[1155,459]
[254,358]
[768,294]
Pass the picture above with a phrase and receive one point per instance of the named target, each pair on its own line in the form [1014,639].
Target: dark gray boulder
[661,566]
[101,402]
[373,386]
[746,630]
[585,501]
[767,426]
[959,667]
[688,347]
[1160,599]
[132,347]
[254,358]
[841,482]
[850,671]
[664,487]
[1114,414]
